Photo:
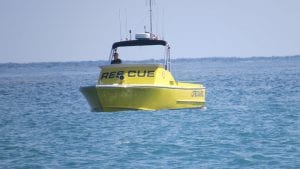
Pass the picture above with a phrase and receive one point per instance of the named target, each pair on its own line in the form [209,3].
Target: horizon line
[187,58]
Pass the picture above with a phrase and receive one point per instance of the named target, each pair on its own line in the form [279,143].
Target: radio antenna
[163,24]
[120,24]
[126,24]
[150,17]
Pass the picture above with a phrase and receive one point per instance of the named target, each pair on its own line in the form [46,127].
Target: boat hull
[142,97]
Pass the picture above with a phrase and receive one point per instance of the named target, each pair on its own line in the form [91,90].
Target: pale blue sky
[77,30]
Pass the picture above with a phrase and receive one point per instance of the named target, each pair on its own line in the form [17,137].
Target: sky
[77,30]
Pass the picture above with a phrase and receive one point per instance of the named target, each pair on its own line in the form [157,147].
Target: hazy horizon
[157,59]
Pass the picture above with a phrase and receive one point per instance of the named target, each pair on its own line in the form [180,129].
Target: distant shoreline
[148,60]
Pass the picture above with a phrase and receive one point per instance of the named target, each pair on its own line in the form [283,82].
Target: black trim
[138,43]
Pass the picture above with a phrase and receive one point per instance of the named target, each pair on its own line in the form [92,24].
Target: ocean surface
[251,119]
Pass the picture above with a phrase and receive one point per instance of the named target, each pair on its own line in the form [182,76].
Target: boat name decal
[131,73]
[110,75]
[134,73]
[196,93]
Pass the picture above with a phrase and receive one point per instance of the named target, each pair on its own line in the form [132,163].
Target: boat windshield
[142,51]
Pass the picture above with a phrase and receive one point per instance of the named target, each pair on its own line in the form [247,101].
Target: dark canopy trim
[138,43]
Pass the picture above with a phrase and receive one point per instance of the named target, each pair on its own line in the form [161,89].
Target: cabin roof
[145,42]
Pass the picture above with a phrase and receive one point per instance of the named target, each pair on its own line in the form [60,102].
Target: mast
[150,17]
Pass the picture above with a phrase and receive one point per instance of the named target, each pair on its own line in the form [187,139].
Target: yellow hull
[142,97]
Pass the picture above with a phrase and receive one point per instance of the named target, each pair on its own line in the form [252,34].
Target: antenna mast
[120,24]
[150,17]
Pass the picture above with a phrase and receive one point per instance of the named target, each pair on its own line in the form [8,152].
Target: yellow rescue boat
[141,86]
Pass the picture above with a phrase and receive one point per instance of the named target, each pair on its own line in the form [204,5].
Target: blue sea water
[251,120]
